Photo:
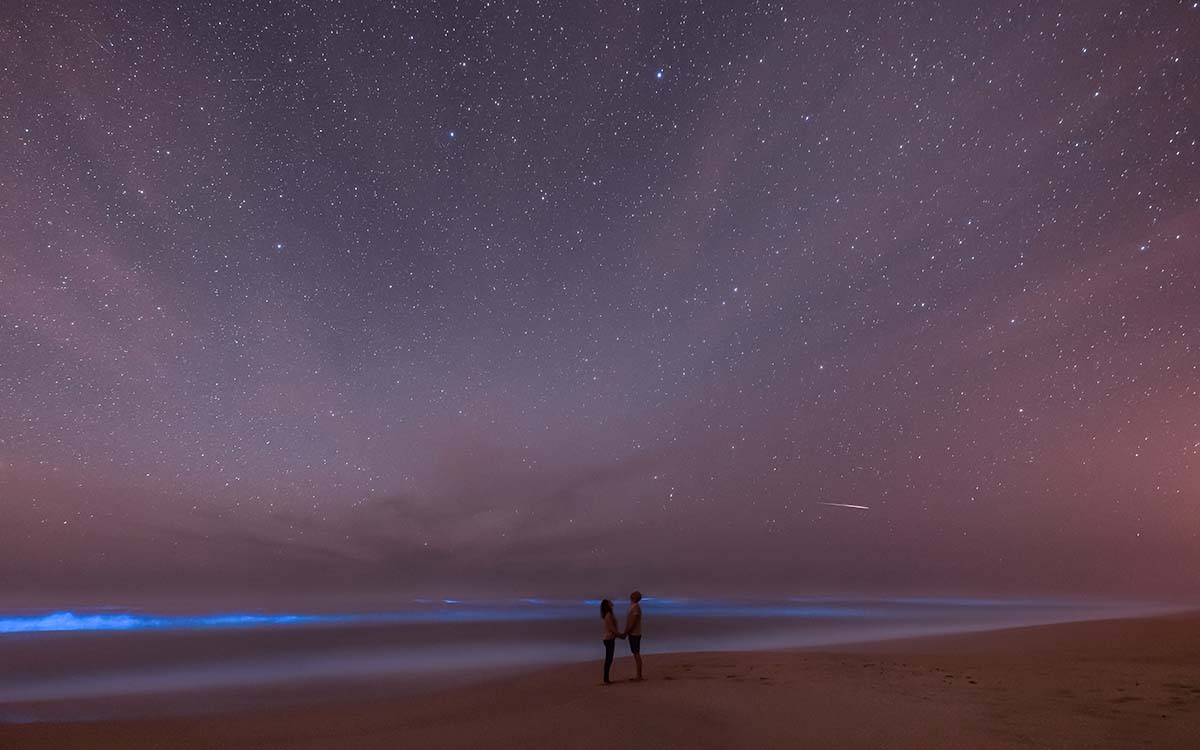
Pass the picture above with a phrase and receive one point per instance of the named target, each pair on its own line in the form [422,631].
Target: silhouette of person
[611,634]
[633,629]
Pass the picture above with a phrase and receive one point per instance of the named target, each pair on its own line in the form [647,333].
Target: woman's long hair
[605,608]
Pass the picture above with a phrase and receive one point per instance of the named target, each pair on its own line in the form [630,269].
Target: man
[633,630]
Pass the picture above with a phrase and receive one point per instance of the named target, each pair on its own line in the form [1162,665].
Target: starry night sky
[544,298]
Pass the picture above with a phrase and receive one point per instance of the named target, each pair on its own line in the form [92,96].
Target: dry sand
[1110,684]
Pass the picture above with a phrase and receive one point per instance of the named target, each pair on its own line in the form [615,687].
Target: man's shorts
[635,644]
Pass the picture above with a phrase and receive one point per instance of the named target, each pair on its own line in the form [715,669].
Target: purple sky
[434,297]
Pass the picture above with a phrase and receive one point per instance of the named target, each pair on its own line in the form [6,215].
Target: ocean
[77,665]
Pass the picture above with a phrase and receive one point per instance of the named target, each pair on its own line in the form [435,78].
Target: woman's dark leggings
[609,645]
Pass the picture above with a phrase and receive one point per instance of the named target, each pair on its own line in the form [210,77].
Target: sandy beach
[1106,684]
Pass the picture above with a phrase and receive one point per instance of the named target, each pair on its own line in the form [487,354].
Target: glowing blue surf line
[452,610]
[70,621]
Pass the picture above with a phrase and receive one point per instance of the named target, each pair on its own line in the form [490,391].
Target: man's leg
[635,645]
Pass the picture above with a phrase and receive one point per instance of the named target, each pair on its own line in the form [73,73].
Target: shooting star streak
[106,50]
[845,505]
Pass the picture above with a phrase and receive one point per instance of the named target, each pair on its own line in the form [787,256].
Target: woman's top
[610,626]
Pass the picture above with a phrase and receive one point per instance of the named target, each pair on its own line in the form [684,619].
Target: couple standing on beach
[632,631]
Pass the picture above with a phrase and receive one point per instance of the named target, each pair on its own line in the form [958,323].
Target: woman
[611,634]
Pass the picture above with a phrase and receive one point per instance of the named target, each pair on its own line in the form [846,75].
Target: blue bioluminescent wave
[71,621]
[454,610]
[64,621]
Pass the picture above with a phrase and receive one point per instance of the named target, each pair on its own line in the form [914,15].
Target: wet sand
[1106,684]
